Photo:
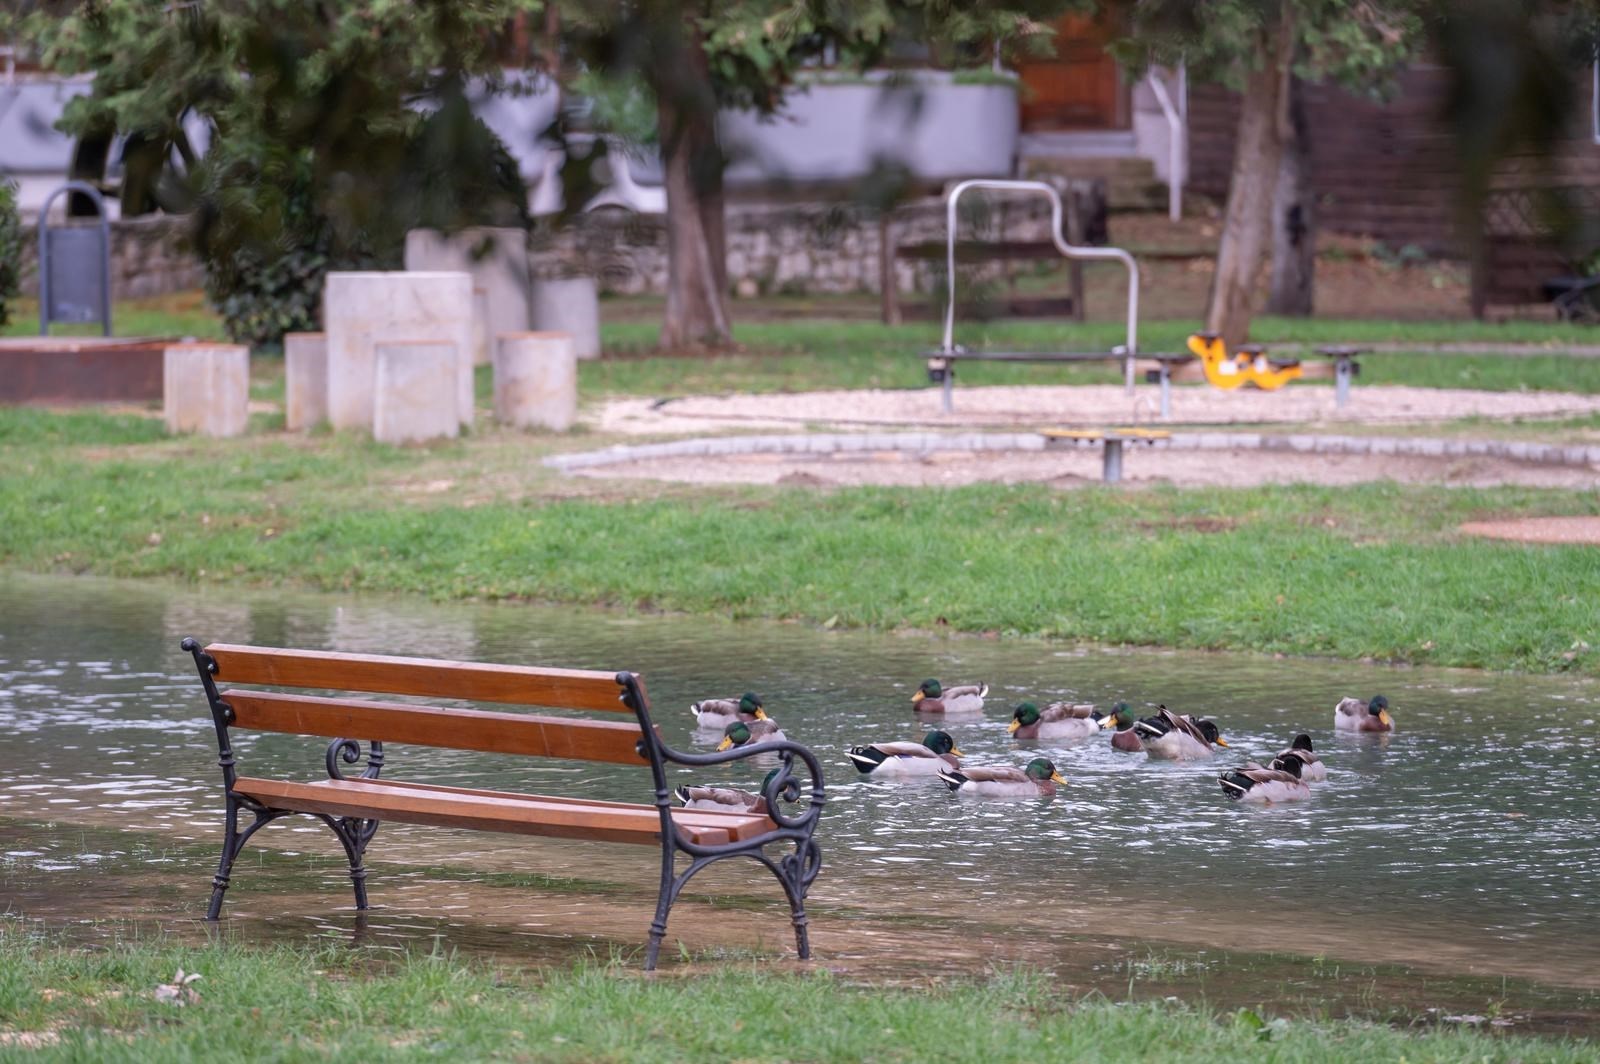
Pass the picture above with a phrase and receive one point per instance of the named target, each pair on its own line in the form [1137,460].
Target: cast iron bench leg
[949,385]
[233,841]
[354,833]
[1166,391]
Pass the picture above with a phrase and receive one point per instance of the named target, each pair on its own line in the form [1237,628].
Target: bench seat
[520,814]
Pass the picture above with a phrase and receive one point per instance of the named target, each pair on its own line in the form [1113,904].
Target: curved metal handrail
[1071,251]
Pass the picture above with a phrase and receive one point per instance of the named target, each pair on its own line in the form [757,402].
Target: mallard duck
[1312,770]
[1059,720]
[1125,738]
[725,799]
[721,799]
[757,731]
[932,698]
[1174,737]
[1279,783]
[935,753]
[1038,778]
[1352,714]
[718,713]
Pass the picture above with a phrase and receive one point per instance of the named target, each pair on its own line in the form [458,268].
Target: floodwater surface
[1465,842]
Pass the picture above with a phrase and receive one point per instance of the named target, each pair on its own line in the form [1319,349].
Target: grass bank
[822,352]
[1375,571]
[336,1004]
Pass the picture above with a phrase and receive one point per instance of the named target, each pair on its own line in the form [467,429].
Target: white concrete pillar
[497,259]
[361,310]
[414,389]
[570,305]
[536,380]
[305,380]
[205,388]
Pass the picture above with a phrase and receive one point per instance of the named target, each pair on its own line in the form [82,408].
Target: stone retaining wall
[150,256]
[786,248]
[789,248]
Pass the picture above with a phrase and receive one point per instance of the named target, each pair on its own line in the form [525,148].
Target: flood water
[1465,842]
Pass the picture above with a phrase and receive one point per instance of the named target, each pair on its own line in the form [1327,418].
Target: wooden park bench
[1110,441]
[353,807]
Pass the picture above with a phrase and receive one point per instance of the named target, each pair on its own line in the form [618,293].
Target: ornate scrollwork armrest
[782,785]
[349,751]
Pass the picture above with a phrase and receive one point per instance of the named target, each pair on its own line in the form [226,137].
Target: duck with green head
[726,799]
[1126,737]
[1173,736]
[1312,770]
[1279,783]
[935,753]
[1352,714]
[931,697]
[757,731]
[1039,777]
[1059,720]
[718,713]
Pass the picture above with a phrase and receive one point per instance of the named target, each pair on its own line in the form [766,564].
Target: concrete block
[414,391]
[535,380]
[305,360]
[497,260]
[569,305]
[362,310]
[206,388]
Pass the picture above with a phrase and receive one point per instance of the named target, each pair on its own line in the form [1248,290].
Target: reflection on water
[1466,841]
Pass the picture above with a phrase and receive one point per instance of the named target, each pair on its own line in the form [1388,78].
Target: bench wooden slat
[742,826]
[489,811]
[459,729]
[429,678]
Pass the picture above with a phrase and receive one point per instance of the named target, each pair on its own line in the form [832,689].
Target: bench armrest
[784,785]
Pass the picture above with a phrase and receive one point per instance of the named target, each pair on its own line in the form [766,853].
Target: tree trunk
[1246,223]
[1294,232]
[697,270]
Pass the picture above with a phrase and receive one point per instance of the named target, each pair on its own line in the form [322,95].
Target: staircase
[1130,179]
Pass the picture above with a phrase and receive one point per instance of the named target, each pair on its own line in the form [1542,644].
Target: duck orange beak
[1383,715]
[1107,722]
[1056,777]
[1011,729]
[955,751]
[1221,741]
[916,698]
[761,714]
[724,744]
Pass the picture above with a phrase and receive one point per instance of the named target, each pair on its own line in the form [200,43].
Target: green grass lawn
[814,353]
[336,1004]
[1371,571]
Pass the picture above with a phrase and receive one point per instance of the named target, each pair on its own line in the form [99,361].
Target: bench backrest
[340,717]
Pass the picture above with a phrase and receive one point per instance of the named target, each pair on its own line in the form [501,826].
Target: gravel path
[1091,405]
[1539,529]
[1081,468]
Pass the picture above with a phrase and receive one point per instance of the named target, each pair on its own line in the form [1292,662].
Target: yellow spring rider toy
[1248,366]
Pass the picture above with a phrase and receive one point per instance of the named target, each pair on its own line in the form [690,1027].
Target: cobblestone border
[929,442]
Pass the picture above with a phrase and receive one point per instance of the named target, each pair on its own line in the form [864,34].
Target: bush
[271,224]
[10,248]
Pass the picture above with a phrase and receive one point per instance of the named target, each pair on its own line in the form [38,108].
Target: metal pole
[1071,251]
[1166,390]
[1341,381]
[1113,463]
[1175,135]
